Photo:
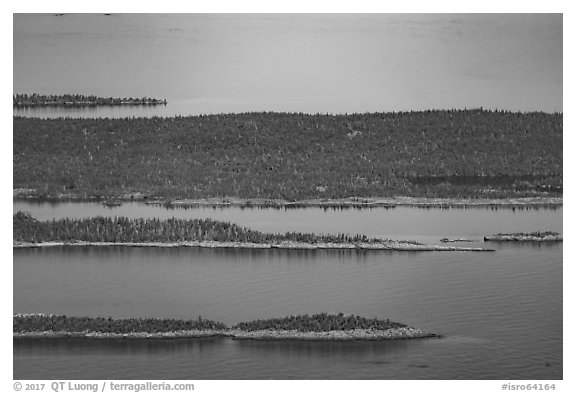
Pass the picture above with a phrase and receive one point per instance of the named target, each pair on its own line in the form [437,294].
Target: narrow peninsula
[122,231]
[334,327]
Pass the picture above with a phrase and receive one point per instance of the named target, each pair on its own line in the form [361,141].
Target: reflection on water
[168,206]
[173,108]
[230,359]
[219,358]
[114,347]
[323,348]
[118,347]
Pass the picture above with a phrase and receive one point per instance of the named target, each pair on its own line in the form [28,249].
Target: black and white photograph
[219,196]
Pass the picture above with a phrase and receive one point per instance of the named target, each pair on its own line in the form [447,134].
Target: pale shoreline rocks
[136,335]
[390,245]
[391,202]
[364,202]
[334,335]
[236,334]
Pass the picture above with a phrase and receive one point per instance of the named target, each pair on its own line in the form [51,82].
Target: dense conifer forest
[59,323]
[457,153]
[303,323]
[319,323]
[125,230]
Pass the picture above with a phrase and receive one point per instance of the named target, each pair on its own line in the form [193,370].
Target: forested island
[461,154]
[539,236]
[337,327]
[121,231]
[32,100]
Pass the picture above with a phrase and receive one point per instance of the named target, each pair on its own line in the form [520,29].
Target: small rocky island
[72,100]
[334,327]
[122,231]
[338,327]
[545,236]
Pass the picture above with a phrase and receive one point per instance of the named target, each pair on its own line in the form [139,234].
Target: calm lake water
[500,313]
[403,223]
[337,63]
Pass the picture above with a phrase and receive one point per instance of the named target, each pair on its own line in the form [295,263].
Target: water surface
[500,313]
[403,223]
[336,63]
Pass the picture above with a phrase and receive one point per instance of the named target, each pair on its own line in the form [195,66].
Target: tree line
[61,323]
[319,323]
[145,230]
[303,323]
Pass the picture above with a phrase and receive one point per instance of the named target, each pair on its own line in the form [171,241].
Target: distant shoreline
[525,237]
[78,100]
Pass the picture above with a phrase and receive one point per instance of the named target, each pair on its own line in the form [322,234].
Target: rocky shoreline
[134,335]
[386,202]
[355,202]
[335,335]
[288,245]
[402,333]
